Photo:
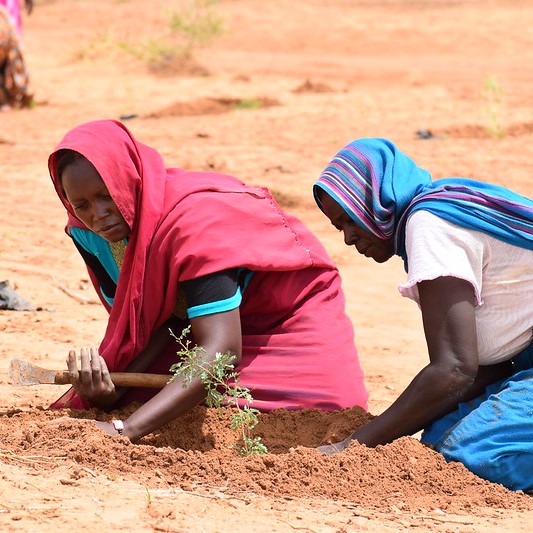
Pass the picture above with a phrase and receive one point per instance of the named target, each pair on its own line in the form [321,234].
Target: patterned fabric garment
[14,77]
[14,11]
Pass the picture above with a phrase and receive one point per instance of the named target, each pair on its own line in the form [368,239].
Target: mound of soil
[199,449]
[476,131]
[212,106]
[309,86]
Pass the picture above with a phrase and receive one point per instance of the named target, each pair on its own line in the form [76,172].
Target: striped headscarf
[379,187]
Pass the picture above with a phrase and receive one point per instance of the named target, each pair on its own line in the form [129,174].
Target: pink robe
[298,348]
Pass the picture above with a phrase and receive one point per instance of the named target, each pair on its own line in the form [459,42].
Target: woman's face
[365,242]
[87,193]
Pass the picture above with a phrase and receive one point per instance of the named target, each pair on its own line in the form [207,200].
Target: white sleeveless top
[501,275]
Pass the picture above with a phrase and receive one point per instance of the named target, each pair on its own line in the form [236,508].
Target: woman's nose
[99,209]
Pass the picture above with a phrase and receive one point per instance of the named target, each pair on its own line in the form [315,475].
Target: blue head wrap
[379,187]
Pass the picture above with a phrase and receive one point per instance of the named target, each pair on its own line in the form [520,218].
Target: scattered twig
[305,528]
[32,459]
[77,297]
[463,522]
[89,471]
[47,441]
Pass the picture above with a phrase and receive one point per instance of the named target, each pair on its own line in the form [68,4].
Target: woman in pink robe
[170,247]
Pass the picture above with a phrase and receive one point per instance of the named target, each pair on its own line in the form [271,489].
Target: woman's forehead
[81,174]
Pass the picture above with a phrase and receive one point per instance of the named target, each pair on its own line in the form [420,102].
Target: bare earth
[318,73]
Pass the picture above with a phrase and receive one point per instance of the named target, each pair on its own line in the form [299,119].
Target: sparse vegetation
[248,103]
[151,51]
[492,96]
[194,26]
[148,496]
[197,24]
[102,44]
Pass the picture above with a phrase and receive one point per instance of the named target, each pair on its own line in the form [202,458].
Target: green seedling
[214,376]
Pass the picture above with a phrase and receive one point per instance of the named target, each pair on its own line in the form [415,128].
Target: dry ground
[309,76]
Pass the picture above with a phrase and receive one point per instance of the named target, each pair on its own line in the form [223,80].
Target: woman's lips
[108,230]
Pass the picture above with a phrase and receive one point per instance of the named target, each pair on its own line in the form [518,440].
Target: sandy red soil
[325,72]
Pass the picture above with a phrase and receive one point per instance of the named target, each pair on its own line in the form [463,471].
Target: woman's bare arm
[217,333]
[447,306]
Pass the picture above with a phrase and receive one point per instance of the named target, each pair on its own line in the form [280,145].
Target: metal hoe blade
[23,373]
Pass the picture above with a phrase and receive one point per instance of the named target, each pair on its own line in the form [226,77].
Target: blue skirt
[493,434]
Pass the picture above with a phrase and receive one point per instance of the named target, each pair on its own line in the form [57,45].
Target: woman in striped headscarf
[467,248]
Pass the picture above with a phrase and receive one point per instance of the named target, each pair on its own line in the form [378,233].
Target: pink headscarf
[183,225]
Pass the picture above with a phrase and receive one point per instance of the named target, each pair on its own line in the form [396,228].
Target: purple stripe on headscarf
[358,178]
[379,187]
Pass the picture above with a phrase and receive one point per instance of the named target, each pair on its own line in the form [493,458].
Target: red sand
[326,72]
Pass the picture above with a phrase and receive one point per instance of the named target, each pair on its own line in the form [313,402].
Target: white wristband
[119,426]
